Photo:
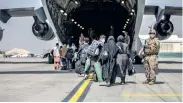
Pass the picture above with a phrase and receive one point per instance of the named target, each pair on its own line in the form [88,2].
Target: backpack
[70,53]
[84,55]
[104,56]
[93,49]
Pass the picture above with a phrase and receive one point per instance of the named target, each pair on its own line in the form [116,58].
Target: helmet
[152,31]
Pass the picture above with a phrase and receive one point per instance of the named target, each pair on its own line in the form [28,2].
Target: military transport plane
[68,18]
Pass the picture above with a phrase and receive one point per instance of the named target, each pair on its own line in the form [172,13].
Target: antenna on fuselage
[152,26]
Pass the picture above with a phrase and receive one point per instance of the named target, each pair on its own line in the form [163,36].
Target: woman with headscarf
[122,58]
[112,54]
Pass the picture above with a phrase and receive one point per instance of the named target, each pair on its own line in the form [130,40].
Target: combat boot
[151,83]
[146,81]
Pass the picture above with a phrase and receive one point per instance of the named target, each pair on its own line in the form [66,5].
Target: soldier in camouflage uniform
[151,50]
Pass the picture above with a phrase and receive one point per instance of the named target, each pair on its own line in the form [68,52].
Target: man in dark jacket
[112,52]
[69,56]
[123,58]
[82,56]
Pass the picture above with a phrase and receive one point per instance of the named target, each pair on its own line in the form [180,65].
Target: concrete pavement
[23,60]
[168,87]
[40,83]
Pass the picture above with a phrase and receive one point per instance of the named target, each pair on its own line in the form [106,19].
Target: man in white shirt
[81,39]
[56,55]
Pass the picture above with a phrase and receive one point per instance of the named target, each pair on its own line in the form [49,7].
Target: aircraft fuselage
[71,18]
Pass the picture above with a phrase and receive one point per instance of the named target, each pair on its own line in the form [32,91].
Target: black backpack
[104,56]
[70,53]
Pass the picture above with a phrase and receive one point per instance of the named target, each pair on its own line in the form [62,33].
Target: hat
[152,31]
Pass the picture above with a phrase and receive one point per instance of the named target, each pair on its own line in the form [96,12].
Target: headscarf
[110,38]
[120,38]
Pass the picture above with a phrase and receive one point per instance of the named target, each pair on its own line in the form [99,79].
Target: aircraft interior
[75,17]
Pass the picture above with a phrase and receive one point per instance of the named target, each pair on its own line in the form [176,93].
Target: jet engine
[164,28]
[42,30]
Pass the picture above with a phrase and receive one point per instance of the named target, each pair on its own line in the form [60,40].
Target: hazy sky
[18,31]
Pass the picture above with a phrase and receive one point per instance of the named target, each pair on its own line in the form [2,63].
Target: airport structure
[170,45]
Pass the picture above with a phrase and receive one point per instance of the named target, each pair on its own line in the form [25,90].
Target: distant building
[18,53]
[172,44]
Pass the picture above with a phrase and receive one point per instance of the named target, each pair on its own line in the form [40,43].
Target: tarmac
[23,60]
[45,60]
[37,82]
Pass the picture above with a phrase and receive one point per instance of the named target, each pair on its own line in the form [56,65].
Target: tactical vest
[151,47]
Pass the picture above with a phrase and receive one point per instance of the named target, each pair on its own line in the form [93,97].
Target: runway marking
[151,95]
[79,93]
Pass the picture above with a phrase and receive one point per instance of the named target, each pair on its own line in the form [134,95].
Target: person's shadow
[130,82]
[118,84]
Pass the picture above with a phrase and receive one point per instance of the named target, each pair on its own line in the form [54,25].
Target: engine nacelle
[43,31]
[164,29]
[1,33]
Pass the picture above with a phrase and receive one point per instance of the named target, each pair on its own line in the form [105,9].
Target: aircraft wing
[168,10]
[19,12]
[6,14]
[168,7]
[22,8]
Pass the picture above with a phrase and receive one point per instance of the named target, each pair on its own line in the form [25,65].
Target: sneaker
[83,75]
[108,84]
[86,77]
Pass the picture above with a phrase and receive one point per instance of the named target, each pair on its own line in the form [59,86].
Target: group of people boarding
[104,58]
[107,58]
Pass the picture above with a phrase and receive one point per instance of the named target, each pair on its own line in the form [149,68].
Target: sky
[18,30]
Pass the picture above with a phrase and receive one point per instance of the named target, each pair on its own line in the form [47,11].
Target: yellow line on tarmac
[79,92]
[152,95]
